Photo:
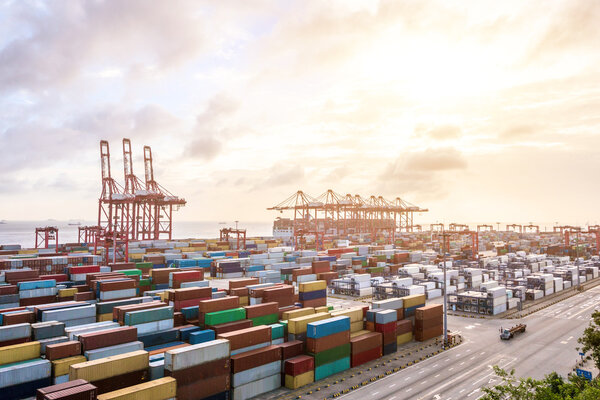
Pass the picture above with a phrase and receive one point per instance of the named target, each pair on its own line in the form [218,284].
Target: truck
[507,334]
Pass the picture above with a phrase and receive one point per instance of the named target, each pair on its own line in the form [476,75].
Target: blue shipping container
[327,327]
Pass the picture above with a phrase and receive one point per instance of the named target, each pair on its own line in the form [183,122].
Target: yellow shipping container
[136,257]
[413,300]
[321,309]
[355,313]
[244,301]
[67,292]
[104,317]
[19,352]
[404,338]
[312,286]
[28,251]
[110,366]
[359,333]
[160,389]
[298,325]
[61,367]
[357,326]
[300,312]
[259,241]
[295,382]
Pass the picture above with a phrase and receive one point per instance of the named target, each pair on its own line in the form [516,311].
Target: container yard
[196,319]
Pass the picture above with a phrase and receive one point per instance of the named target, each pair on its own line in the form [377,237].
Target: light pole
[445,290]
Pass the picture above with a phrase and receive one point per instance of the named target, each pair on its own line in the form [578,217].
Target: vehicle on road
[507,334]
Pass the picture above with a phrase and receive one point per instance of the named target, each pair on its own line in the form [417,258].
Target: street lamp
[445,290]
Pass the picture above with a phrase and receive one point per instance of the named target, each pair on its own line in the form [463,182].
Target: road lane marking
[392,398]
[462,390]
[374,393]
[407,378]
[424,382]
[434,366]
[473,392]
[408,390]
[461,363]
[450,369]
[472,358]
[436,375]
[482,353]
[392,385]
[421,371]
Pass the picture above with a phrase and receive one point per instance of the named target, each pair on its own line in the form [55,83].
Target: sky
[477,110]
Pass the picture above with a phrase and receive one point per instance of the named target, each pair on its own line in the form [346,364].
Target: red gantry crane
[43,237]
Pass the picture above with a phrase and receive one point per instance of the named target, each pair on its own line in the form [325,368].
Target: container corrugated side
[256,373]
[312,286]
[109,366]
[61,366]
[186,357]
[159,389]
[17,331]
[113,350]
[256,388]
[326,327]
[298,325]
[19,352]
[33,370]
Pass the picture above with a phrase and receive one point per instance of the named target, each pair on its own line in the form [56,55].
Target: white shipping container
[256,373]
[97,326]
[60,379]
[434,293]
[154,326]
[196,354]
[256,388]
[118,294]
[69,313]
[17,331]
[54,340]
[389,304]
[113,350]
[29,294]
[29,371]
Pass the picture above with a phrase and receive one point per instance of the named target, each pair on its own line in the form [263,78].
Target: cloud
[439,132]
[519,132]
[213,125]
[421,172]
[58,40]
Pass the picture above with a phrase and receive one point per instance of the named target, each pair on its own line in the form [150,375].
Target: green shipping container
[222,317]
[277,331]
[144,265]
[265,320]
[144,316]
[132,272]
[144,282]
[323,371]
[331,355]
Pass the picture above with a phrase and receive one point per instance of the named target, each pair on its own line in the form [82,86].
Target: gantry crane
[240,235]
[139,227]
[163,202]
[43,237]
[454,227]
[514,227]
[332,213]
[485,228]
[436,227]
[531,228]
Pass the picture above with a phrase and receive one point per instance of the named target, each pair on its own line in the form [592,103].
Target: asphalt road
[549,344]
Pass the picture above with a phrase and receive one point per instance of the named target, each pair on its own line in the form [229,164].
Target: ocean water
[23,232]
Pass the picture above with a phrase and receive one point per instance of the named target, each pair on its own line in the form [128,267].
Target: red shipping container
[200,372]
[260,310]
[56,277]
[63,350]
[365,356]
[81,296]
[321,266]
[187,276]
[14,341]
[231,326]
[85,269]
[20,317]
[241,292]
[247,337]
[204,388]
[254,358]
[61,386]
[242,283]
[314,303]
[299,365]
[224,303]
[9,289]
[37,300]
[190,293]
[291,349]
[386,328]
[117,285]
[112,337]
[119,311]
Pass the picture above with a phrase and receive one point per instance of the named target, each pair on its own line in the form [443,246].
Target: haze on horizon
[478,110]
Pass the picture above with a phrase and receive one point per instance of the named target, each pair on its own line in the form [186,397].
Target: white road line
[447,359]
[408,390]
[458,355]
[436,375]
[434,366]
[392,398]
[424,382]
[472,358]
[450,369]
[421,371]
[462,390]
[392,385]
[374,393]
[461,363]
[407,378]
[473,392]
[482,353]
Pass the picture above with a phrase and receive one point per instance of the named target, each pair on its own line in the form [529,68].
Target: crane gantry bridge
[333,213]
[140,210]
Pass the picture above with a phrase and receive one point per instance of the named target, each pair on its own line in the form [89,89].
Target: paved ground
[459,373]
